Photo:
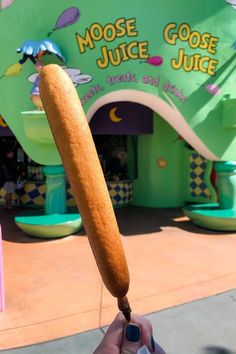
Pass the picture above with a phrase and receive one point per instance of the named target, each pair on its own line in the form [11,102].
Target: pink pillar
[2,298]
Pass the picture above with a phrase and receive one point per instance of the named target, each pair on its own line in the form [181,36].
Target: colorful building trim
[34,194]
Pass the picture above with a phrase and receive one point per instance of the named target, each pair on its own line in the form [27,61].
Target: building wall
[161,168]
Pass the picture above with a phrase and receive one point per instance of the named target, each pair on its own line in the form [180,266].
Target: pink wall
[2,298]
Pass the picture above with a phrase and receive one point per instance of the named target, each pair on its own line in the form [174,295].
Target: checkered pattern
[121,193]
[197,181]
[34,194]
[69,197]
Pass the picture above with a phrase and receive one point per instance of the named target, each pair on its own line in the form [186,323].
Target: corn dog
[79,156]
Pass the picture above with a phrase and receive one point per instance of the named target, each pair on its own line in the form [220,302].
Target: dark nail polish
[132,333]
[153,344]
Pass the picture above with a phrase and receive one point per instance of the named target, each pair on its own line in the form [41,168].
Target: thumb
[132,339]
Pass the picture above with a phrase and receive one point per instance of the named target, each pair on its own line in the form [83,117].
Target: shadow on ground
[217,350]
[132,220]
[139,220]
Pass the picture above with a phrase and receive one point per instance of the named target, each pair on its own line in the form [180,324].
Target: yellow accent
[162,163]
[25,199]
[42,189]
[121,194]
[13,70]
[207,192]
[39,200]
[198,160]
[113,117]
[198,170]
[198,181]
[197,191]
[112,192]
[29,187]
[71,202]
[2,123]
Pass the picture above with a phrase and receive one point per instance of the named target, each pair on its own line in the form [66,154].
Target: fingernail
[153,344]
[132,333]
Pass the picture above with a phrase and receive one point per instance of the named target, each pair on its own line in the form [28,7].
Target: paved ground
[47,296]
[206,326]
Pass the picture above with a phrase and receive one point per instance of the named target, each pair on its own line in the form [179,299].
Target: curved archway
[167,111]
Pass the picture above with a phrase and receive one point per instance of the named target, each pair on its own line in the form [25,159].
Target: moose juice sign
[123,52]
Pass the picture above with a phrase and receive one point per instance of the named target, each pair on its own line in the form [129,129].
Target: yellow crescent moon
[2,123]
[113,117]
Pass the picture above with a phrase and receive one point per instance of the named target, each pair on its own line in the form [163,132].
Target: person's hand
[123,338]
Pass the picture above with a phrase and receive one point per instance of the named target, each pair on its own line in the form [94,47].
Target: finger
[147,334]
[146,331]
[113,337]
[132,339]
[114,333]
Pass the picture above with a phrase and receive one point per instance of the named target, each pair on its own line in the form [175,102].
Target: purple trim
[136,119]
[5,131]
